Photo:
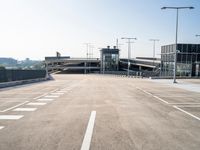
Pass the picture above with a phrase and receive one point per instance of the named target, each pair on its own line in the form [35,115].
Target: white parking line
[192,106]
[184,103]
[160,99]
[37,104]
[45,94]
[25,109]
[10,117]
[1,127]
[187,113]
[144,91]
[54,96]
[14,106]
[88,133]
[57,93]
[45,99]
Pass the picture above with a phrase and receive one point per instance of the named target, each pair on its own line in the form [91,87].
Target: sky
[38,28]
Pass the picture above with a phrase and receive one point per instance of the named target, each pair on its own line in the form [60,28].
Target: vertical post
[129,51]
[176,45]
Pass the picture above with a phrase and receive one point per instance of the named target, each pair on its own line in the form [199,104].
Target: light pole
[87,54]
[154,47]
[197,35]
[175,53]
[129,51]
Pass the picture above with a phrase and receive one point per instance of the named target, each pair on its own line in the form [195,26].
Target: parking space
[99,112]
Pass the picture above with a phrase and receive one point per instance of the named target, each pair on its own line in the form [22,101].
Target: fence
[17,75]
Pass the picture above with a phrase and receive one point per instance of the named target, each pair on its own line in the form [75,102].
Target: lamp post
[154,47]
[129,51]
[197,35]
[175,53]
[87,54]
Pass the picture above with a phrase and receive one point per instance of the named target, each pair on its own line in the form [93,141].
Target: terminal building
[188,60]
[109,59]
[109,63]
[188,63]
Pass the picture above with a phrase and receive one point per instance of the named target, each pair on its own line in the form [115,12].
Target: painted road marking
[14,106]
[45,99]
[160,99]
[88,133]
[184,103]
[1,127]
[187,113]
[144,91]
[10,117]
[41,96]
[45,94]
[25,109]
[55,96]
[37,104]
[57,93]
[192,106]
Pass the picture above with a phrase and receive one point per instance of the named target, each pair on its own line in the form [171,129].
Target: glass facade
[188,60]
[109,59]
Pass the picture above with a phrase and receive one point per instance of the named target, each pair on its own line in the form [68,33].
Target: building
[188,60]
[65,64]
[109,59]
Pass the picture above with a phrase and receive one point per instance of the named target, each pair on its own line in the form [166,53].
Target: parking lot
[101,112]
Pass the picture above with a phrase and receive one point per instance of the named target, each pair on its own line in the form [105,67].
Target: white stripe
[14,106]
[36,104]
[184,103]
[45,99]
[187,113]
[45,94]
[57,93]
[190,106]
[1,127]
[153,96]
[144,91]
[25,109]
[52,96]
[161,99]
[88,133]
[10,117]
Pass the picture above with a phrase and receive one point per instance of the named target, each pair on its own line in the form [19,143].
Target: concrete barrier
[21,82]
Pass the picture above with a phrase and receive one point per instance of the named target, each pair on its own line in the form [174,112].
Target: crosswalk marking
[25,109]
[45,99]
[37,104]
[54,96]
[10,117]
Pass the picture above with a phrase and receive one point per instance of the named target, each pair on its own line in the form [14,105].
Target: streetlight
[175,53]
[87,54]
[129,51]
[197,35]
[154,46]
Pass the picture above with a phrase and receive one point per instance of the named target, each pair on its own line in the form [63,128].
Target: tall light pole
[154,47]
[175,53]
[129,51]
[197,35]
[87,54]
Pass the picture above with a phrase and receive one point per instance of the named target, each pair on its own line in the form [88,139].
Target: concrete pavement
[131,114]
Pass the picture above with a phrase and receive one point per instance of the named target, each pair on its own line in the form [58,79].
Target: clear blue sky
[39,28]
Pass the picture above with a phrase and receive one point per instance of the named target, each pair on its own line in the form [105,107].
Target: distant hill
[10,63]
